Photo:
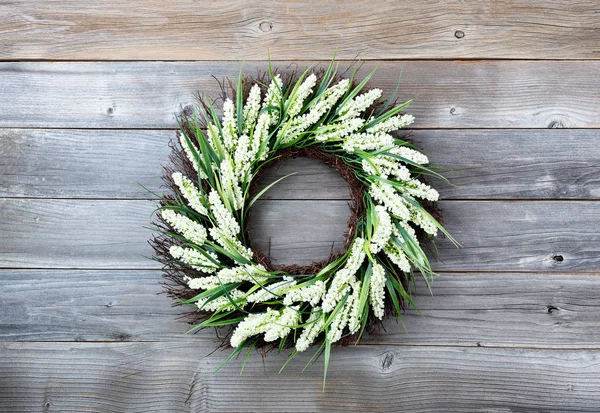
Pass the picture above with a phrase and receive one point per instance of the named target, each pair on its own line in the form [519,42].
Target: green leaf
[257,196]
[326,364]
[233,354]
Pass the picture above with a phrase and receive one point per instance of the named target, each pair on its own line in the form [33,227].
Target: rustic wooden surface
[506,97]
[303,30]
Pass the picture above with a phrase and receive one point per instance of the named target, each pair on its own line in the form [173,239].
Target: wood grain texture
[483,164]
[178,377]
[480,164]
[82,163]
[458,94]
[496,236]
[232,30]
[511,310]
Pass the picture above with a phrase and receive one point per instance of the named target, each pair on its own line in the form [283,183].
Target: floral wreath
[203,243]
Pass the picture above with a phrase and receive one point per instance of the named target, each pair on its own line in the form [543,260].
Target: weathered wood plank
[510,163]
[504,236]
[482,164]
[178,377]
[82,163]
[490,163]
[459,94]
[510,310]
[234,30]
[68,305]
[70,163]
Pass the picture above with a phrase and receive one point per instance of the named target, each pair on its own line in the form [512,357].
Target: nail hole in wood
[265,26]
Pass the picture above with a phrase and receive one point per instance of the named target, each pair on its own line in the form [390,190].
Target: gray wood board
[547,310]
[456,94]
[178,377]
[481,164]
[495,235]
[232,30]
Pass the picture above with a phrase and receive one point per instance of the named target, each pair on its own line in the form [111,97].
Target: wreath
[203,241]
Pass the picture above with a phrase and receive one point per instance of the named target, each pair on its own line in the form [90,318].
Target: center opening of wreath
[308,219]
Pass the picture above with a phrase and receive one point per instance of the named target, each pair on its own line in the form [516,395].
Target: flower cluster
[191,230]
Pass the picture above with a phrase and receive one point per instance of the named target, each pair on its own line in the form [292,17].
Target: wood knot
[453,111]
[387,361]
[556,124]
[265,26]
[551,309]
[558,258]
[110,111]
[459,34]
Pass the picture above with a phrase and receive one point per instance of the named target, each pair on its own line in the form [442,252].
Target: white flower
[377,290]
[242,273]
[392,124]
[410,154]
[282,326]
[338,288]
[315,324]
[226,222]
[344,277]
[271,291]
[354,316]
[251,108]
[190,193]
[188,151]
[294,104]
[385,166]
[383,230]
[229,183]
[340,321]
[420,190]
[229,124]
[230,243]
[397,256]
[243,157]
[338,130]
[367,141]
[299,124]
[423,220]
[357,255]
[312,294]
[252,325]
[191,230]
[273,98]
[359,104]
[387,195]
[260,135]
[194,258]
[222,303]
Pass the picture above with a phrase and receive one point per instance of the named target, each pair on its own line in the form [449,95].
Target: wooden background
[507,94]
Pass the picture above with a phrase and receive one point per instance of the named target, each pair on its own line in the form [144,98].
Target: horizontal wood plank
[511,310]
[457,94]
[178,377]
[482,164]
[496,236]
[82,163]
[232,30]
